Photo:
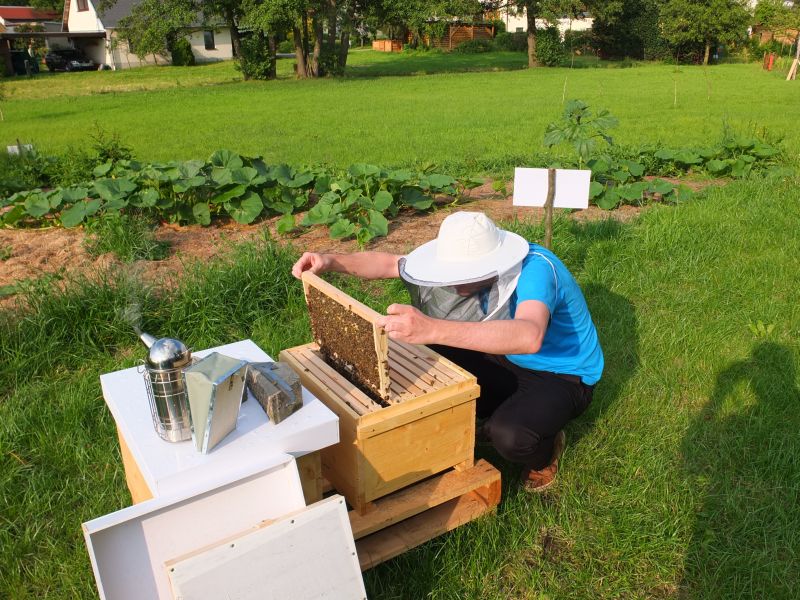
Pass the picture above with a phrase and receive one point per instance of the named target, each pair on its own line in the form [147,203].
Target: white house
[80,16]
[518,22]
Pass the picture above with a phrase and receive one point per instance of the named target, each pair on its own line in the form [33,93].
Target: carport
[91,37]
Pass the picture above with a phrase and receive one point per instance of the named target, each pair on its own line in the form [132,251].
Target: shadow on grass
[743,452]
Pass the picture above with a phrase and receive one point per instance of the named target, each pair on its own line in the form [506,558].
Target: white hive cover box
[306,555]
[169,468]
[129,548]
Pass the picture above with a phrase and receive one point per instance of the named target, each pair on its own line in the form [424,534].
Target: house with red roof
[13,16]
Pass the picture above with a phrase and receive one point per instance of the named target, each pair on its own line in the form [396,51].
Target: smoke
[132,315]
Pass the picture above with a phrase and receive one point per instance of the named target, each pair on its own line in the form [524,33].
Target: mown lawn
[682,480]
[476,121]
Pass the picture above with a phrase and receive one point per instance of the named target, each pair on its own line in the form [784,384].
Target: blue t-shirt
[570,344]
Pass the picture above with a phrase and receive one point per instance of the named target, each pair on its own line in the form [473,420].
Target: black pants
[524,409]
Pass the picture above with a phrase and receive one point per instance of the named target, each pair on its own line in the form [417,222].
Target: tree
[780,18]
[154,25]
[691,24]
[231,12]
[628,28]
[548,10]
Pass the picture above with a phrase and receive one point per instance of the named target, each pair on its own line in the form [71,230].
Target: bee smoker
[166,391]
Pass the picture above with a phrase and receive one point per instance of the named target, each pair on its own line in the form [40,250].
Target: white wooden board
[572,187]
[304,556]
[129,548]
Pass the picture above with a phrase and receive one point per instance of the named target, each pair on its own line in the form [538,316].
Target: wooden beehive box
[425,424]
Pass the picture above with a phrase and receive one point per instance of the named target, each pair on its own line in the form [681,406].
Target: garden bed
[33,253]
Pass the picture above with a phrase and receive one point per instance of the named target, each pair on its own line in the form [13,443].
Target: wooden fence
[458,33]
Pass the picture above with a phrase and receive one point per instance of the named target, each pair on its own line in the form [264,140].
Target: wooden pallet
[419,513]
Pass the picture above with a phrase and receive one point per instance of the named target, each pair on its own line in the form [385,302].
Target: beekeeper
[507,311]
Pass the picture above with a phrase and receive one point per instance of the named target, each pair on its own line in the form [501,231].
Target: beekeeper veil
[468,273]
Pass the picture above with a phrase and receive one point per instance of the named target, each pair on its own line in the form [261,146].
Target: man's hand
[407,324]
[312,262]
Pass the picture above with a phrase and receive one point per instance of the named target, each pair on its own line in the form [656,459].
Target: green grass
[477,122]
[128,236]
[681,480]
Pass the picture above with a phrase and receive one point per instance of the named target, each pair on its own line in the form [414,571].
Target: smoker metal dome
[168,353]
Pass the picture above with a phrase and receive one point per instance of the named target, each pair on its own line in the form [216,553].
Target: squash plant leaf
[74,194]
[342,228]
[227,159]
[111,189]
[202,213]
[37,205]
[285,224]
[378,225]
[229,194]
[382,200]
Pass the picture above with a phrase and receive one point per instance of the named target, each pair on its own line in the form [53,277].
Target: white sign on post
[572,187]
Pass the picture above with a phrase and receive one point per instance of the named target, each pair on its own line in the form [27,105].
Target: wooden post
[548,208]
[793,69]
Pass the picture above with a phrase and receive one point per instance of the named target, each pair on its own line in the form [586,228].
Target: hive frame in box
[428,428]
[380,339]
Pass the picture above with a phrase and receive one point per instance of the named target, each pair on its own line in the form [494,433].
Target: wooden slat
[309,379]
[423,379]
[416,408]
[422,496]
[431,359]
[133,475]
[345,390]
[309,467]
[380,537]
[393,541]
[406,382]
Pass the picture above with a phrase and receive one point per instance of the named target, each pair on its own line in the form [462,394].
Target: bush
[25,171]
[286,47]
[511,42]
[73,167]
[499,26]
[254,63]
[182,53]
[581,42]
[109,147]
[474,47]
[549,49]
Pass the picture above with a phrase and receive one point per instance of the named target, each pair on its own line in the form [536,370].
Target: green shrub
[24,172]
[579,41]
[72,167]
[129,236]
[474,47]
[254,63]
[182,55]
[286,47]
[549,48]
[511,42]
[499,26]
[109,147]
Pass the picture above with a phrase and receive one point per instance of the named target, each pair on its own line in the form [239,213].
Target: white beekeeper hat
[469,247]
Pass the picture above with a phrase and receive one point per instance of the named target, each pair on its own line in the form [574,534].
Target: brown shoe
[539,480]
